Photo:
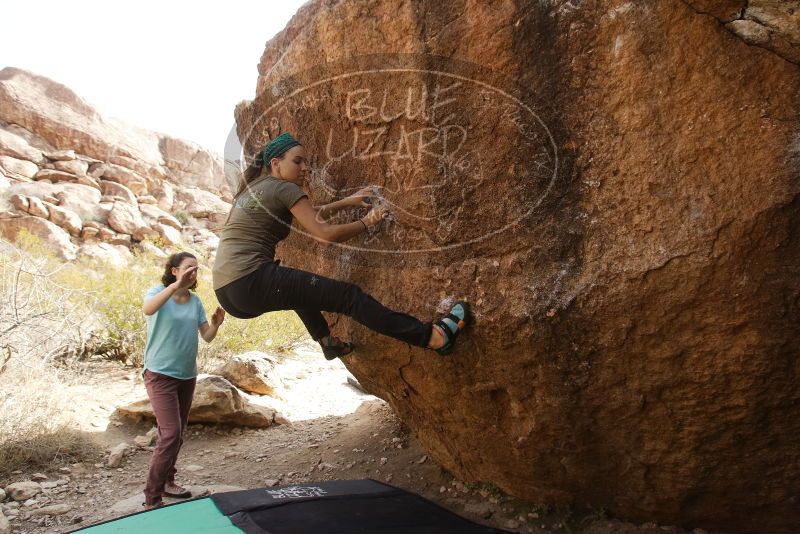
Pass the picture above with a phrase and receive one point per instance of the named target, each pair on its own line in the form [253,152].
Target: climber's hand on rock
[363,196]
[375,215]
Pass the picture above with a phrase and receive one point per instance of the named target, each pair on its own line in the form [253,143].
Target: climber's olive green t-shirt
[259,218]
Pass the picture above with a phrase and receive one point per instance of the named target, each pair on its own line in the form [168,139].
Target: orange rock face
[614,186]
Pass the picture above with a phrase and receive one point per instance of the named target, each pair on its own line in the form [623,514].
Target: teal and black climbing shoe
[452,324]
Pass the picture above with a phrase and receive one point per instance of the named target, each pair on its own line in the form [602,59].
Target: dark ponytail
[175,261]
[250,173]
[245,179]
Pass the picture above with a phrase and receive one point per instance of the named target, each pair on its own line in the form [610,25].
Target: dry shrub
[40,323]
[38,426]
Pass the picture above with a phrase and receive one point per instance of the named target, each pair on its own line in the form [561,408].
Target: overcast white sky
[176,67]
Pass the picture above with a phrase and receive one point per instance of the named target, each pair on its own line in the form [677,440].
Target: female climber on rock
[249,281]
[174,315]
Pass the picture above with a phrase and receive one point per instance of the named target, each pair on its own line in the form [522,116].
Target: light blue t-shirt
[172,336]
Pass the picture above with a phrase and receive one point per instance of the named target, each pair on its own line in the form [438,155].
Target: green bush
[183,217]
[116,295]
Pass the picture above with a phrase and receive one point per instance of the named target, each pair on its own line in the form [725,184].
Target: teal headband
[278,146]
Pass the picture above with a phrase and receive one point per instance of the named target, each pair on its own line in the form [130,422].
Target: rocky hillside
[773,25]
[614,186]
[96,187]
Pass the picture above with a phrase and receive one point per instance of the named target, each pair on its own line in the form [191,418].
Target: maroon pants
[171,399]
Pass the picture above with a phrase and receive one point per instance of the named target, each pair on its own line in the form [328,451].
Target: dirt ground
[336,432]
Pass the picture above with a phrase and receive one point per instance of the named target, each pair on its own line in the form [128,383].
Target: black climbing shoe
[452,324]
[334,348]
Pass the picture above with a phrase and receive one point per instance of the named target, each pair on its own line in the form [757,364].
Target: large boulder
[116,189]
[113,255]
[126,219]
[253,372]
[164,193]
[215,401]
[38,207]
[153,213]
[126,177]
[152,172]
[33,205]
[81,199]
[32,139]
[105,233]
[13,145]
[55,176]
[65,218]
[76,167]
[62,155]
[89,181]
[55,237]
[614,188]
[14,166]
[168,234]
[203,204]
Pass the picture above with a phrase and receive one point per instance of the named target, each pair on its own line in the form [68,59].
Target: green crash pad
[326,507]
[197,516]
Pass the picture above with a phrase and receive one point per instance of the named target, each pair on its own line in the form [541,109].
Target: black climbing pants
[272,287]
